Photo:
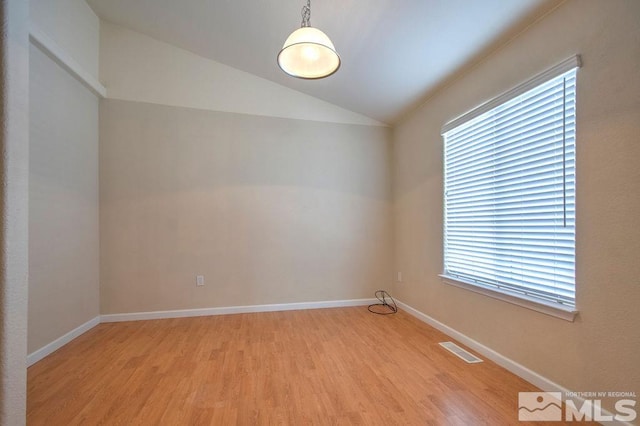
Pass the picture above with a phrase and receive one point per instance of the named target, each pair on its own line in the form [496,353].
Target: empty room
[419,212]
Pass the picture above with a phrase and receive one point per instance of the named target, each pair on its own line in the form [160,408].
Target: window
[509,194]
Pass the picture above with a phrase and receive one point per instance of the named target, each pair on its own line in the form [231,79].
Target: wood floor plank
[342,366]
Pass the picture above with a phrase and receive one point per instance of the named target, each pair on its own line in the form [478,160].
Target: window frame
[565,312]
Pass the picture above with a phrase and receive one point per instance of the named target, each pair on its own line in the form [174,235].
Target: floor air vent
[460,353]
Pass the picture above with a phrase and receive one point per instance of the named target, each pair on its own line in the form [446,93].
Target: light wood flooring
[325,366]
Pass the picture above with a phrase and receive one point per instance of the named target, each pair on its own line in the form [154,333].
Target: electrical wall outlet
[199,280]
[399,277]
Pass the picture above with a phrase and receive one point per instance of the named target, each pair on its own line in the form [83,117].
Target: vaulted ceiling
[394,53]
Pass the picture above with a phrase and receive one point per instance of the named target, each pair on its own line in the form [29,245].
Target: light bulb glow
[310,52]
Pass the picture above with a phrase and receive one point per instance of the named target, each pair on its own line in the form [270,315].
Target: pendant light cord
[306,14]
[382,295]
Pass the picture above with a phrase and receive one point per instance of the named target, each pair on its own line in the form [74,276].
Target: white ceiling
[394,52]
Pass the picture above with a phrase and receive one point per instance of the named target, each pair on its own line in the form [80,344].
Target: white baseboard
[517,369]
[508,364]
[36,356]
[182,313]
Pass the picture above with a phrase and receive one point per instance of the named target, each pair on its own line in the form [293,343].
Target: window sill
[565,313]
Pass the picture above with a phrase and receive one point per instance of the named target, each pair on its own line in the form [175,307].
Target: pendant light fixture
[308,53]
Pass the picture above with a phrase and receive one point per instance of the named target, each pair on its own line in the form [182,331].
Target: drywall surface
[63,202]
[269,210]
[599,351]
[63,169]
[136,67]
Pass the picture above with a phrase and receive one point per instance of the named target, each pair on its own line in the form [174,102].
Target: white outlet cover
[200,280]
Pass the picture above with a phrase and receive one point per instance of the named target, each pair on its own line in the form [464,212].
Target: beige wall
[269,210]
[63,175]
[14,175]
[273,195]
[63,202]
[600,350]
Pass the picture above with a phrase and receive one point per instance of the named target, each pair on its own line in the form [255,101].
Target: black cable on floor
[382,296]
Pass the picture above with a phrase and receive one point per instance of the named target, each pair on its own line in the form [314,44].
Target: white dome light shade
[308,53]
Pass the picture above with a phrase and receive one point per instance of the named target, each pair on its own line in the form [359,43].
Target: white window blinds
[510,191]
